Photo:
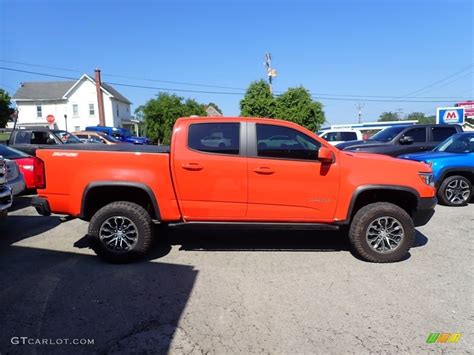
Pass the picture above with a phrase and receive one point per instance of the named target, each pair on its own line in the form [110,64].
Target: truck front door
[287,182]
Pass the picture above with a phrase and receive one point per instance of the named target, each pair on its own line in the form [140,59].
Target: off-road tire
[442,191]
[361,222]
[135,213]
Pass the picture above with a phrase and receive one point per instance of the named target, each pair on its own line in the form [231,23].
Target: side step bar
[258,225]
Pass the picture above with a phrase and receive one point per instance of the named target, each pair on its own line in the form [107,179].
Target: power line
[206,92]
[438,81]
[318,95]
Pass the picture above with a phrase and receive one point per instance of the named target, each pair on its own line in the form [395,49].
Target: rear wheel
[121,231]
[382,232]
[455,190]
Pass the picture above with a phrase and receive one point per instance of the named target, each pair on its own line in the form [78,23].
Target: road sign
[50,119]
[451,115]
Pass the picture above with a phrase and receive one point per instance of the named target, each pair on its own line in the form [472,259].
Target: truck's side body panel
[69,172]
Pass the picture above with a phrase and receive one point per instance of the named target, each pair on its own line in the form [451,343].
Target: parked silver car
[5,191]
[15,178]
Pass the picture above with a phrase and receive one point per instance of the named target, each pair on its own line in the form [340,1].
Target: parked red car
[25,162]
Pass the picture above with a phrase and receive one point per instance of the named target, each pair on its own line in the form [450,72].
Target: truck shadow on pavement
[16,228]
[55,295]
[258,240]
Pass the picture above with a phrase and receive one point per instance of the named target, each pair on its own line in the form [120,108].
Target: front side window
[222,138]
[331,137]
[418,134]
[39,111]
[285,143]
[91,110]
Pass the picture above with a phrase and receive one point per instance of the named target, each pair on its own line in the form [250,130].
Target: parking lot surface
[222,291]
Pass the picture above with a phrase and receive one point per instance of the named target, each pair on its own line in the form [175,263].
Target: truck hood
[429,156]
[360,144]
[382,162]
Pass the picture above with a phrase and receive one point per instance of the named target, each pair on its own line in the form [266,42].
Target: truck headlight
[427,178]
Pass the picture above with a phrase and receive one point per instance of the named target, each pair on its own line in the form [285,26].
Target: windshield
[10,153]
[459,143]
[66,137]
[386,134]
[109,138]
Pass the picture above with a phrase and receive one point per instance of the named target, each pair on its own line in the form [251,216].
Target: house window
[91,110]
[77,128]
[39,111]
[75,110]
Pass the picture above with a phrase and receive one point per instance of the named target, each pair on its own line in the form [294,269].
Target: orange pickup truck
[236,172]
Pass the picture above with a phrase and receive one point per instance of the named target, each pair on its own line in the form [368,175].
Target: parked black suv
[28,140]
[398,140]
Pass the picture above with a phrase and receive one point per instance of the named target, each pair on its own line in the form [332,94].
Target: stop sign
[50,119]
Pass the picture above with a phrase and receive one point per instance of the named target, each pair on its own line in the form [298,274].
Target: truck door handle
[192,166]
[264,170]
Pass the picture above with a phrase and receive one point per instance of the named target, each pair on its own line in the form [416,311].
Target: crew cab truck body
[297,181]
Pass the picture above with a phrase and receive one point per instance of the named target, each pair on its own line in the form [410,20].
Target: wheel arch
[403,196]
[466,172]
[101,194]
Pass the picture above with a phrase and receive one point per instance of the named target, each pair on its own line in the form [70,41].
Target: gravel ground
[219,291]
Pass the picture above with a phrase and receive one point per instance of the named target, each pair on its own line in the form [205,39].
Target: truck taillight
[40,177]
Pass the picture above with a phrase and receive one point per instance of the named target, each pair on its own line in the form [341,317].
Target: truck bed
[111,148]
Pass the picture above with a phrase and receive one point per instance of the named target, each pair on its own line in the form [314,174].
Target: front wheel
[455,191]
[382,232]
[121,231]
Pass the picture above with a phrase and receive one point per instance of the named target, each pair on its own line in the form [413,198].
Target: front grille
[3,173]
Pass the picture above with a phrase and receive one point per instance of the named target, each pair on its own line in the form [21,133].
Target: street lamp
[65,120]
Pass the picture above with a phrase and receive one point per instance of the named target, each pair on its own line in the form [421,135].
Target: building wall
[27,112]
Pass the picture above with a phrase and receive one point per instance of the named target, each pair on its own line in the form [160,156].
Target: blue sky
[334,48]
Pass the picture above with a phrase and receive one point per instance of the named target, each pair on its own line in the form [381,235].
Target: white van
[336,136]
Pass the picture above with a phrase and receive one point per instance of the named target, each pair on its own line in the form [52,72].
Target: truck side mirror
[406,140]
[325,155]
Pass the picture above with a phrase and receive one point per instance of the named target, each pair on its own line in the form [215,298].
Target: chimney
[100,99]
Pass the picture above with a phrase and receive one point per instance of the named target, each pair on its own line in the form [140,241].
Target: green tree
[5,108]
[422,119]
[258,101]
[389,116]
[296,105]
[161,113]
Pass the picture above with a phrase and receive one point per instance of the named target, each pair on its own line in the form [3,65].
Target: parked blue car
[121,134]
[453,167]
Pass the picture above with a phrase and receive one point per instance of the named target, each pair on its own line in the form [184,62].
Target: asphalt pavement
[220,291]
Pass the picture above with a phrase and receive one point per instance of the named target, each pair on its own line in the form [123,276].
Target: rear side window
[285,143]
[348,136]
[442,133]
[418,134]
[22,137]
[221,138]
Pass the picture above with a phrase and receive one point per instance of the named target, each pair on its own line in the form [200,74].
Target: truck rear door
[209,169]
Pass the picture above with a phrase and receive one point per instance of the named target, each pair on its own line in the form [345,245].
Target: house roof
[43,90]
[56,90]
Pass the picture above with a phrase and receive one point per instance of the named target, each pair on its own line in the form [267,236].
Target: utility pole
[271,73]
[359,111]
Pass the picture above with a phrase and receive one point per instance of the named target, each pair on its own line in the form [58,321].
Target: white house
[74,105]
